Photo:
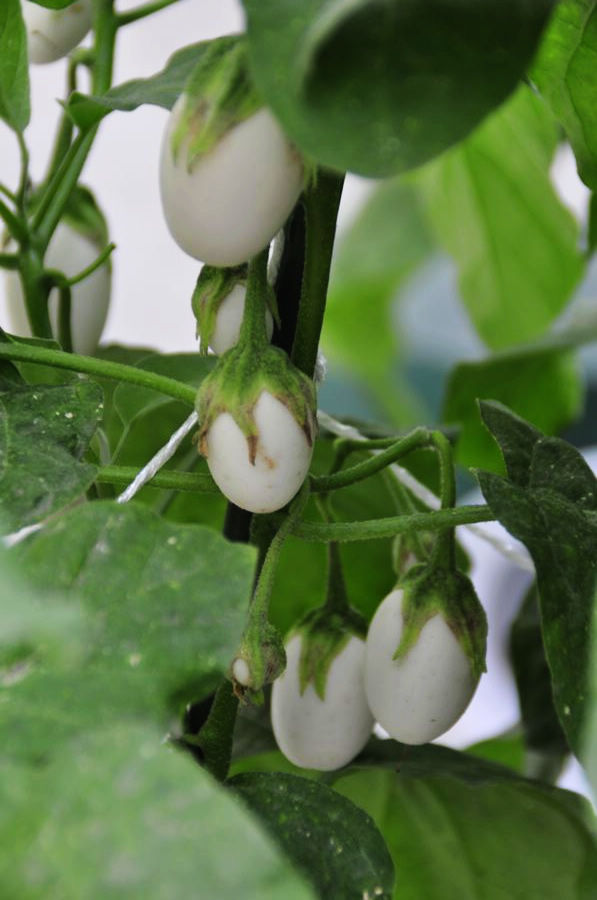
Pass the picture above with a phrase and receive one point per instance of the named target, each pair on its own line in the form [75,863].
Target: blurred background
[390,367]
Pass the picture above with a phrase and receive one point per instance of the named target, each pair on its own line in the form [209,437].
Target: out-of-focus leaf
[497,213]
[379,86]
[541,385]
[565,73]
[119,814]
[14,68]
[375,259]
[166,606]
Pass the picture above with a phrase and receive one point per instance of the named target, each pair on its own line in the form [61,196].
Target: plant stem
[253,331]
[9,261]
[64,318]
[91,268]
[321,209]
[190,482]
[444,552]
[420,437]
[36,289]
[374,529]
[15,226]
[141,12]
[102,367]
[215,737]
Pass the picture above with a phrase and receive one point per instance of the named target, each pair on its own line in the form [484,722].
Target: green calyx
[324,634]
[213,286]
[238,380]
[265,658]
[218,95]
[433,590]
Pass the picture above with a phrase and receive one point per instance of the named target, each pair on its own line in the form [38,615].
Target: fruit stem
[215,737]
[253,332]
[261,653]
[444,552]
[321,210]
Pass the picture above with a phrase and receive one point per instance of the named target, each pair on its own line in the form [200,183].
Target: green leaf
[548,507]
[14,67]
[496,212]
[542,729]
[165,604]
[44,432]
[54,4]
[380,86]
[374,260]
[590,734]
[453,839]
[161,89]
[334,844]
[541,385]
[506,750]
[566,75]
[118,814]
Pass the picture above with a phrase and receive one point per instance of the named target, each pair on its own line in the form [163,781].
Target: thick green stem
[253,331]
[420,437]
[65,335]
[9,261]
[190,482]
[374,529]
[321,209]
[36,289]
[102,367]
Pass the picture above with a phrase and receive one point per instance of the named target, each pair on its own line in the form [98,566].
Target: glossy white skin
[230,318]
[281,463]
[322,734]
[52,33]
[69,252]
[236,197]
[420,696]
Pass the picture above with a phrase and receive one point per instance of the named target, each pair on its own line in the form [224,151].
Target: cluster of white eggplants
[415,699]
[222,208]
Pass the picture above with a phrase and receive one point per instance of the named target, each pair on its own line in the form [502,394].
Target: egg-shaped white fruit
[420,696]
[229,320]
[69,252]
[234,199]
[52,33]
[322,734]
[282,458]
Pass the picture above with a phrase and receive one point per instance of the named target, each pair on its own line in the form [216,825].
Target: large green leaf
[374,260]
[379,86]
[547,504]
[542,385]
[14,68]
[161,89]
[566,75]
[453,839]
[335,845]
[165,604]
[497,213]
[44,432]
[118,814]
[542,729]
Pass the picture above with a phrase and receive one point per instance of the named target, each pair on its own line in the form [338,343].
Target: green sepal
[213,286]
[324,635]
[265,657]
[432,590]
[236,383]
[218,96]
